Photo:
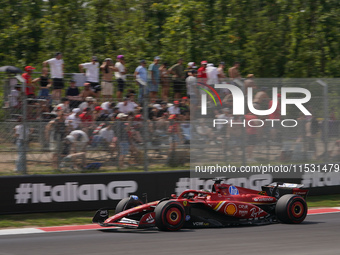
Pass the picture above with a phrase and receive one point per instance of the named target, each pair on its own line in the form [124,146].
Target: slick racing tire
[291,209]
[127,203]
[170,216]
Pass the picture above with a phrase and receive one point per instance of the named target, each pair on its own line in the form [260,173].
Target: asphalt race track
[319,234]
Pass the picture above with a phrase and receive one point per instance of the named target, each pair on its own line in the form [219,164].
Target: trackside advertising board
[52,193]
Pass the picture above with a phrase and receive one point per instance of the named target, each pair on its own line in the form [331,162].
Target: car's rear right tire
[291,209]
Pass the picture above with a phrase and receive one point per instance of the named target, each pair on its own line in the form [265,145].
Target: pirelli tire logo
[72,192]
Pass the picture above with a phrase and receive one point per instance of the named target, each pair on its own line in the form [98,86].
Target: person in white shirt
[92,73]
[126,106]
[212,74]
[120,75]
[73,121]
[174,109]
[57,74]
[15,96]
[79,140]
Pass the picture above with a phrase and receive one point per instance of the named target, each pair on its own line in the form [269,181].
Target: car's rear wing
[278,189]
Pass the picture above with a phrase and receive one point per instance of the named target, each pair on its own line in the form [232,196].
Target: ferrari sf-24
[225,205]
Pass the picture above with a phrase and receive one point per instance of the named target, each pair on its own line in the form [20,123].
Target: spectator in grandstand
[15,97]
[220,72]
[107,69]
[120,75]
[45,84]
[73,95]
[126,106]
[212,74]
[79,140]
[174,109]
[87,92]
[204,132]
[89,102]
[184,105]
[261,99]
[201,72]
[64,106]
[154,78]
[234,72]
[122,131]
[141,76]
[57,74]
[192,90]
[174,132]
[164,109]
[191,67]
[178,77]
[87,120]
[73,121]
[55,132]
[165,81]
[92,74]
[30,93]
[69,155]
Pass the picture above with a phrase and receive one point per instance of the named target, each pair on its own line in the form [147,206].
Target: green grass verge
[80,218]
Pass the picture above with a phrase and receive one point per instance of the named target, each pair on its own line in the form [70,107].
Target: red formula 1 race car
[225,205]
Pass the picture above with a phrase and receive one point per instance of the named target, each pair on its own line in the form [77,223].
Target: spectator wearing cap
[234,72]
[29,83]
[107,69]
[212,74]
[164,109]
[73,95]
[73,121]
[154,78]
[57,74]
[220,72]
[87,92]
[191,66]
[120,75]
[91,73]
[165,81]
[141,76]
[89,102]
[201,72]
[126,106]
[192,90]
[87,120]
[174,109]
[178,77]
[64,106]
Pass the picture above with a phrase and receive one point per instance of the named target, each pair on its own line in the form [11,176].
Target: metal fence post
[24,124]
[326,117]
[145,127]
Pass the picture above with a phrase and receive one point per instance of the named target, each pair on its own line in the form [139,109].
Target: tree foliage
[274,38]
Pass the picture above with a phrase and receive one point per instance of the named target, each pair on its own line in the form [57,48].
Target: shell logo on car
[230,209]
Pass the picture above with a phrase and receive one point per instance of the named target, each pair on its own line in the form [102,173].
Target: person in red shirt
[201,72]
[28,78]
[87,120]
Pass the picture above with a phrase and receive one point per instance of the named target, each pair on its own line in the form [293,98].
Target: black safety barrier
[79,192]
